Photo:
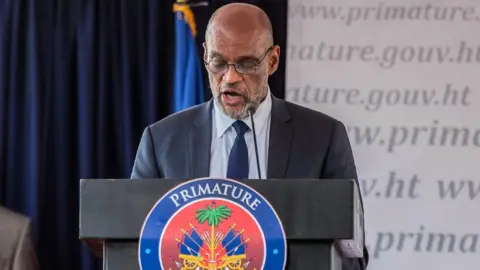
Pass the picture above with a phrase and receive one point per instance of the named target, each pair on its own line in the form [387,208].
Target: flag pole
[193,4]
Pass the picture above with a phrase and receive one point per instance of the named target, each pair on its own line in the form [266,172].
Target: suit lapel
[281,133]
[200,143]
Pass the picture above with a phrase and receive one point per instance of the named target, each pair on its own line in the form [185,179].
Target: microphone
[251,111]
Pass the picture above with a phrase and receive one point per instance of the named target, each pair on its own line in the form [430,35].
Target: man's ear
[205,53]
[274,60]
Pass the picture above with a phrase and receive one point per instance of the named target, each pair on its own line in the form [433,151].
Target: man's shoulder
[180,120]
[12,219]
[17,246]
[12,227]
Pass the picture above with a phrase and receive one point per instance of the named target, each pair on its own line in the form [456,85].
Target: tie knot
[240,127]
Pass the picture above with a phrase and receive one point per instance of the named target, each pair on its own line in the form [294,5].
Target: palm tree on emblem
[213,216]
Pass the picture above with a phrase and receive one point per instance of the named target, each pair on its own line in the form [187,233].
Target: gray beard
[243,113]
[235,114]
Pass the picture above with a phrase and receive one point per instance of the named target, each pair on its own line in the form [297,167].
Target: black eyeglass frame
[257,63]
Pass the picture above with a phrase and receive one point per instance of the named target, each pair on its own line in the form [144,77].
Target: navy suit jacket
[303,143]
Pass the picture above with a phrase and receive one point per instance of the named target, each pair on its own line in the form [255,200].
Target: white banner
[404,77]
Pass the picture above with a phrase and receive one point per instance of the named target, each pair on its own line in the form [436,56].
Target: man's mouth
[232,98]
[232,94]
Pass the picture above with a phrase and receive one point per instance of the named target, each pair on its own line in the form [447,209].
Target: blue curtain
[79,80]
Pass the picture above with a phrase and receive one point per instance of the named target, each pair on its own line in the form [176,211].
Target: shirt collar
[223,122]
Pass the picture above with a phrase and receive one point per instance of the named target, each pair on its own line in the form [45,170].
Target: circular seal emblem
[212,224]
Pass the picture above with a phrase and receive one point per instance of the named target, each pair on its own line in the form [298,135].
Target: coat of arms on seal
[212,224]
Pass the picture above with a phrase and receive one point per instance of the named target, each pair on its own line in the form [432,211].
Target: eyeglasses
[243,67]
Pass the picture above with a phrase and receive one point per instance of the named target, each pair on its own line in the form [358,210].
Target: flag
[188,83]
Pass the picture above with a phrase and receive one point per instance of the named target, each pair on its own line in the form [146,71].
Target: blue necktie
[238,159]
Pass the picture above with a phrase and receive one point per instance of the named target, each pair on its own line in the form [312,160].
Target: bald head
[240,20]
[239,34]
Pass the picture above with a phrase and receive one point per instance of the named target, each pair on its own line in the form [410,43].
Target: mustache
[231,90]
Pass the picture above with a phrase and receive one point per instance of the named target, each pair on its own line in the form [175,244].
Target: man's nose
[231,75]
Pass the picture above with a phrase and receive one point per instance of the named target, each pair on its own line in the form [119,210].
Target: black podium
[322,219]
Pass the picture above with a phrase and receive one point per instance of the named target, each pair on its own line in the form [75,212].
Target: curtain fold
[79,81]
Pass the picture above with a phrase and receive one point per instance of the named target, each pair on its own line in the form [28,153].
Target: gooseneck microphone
[251,111]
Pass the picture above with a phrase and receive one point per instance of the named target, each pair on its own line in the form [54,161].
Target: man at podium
[216,138]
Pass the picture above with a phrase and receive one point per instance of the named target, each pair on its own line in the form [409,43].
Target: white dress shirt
[223,137]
